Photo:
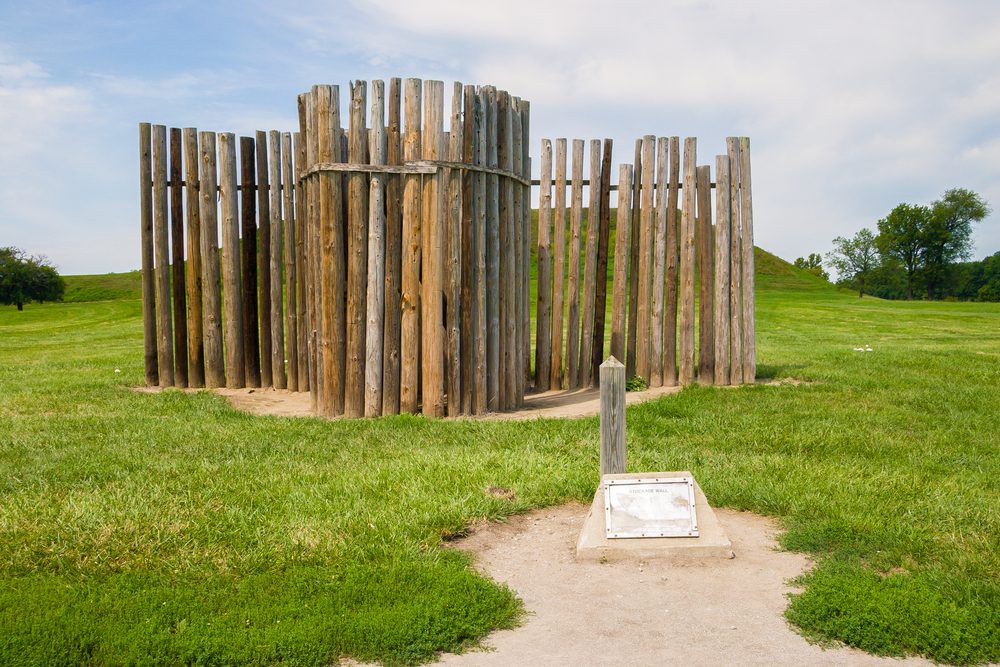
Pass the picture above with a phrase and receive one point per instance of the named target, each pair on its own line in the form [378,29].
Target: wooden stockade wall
[380,259]
[682,286]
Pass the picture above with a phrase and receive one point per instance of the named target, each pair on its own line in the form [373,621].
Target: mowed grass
[169,528]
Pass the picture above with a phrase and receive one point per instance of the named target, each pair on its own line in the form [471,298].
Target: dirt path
[717,612]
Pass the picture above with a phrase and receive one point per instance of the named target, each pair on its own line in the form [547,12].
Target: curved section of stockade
[682,278]
[380,257]
[356,267]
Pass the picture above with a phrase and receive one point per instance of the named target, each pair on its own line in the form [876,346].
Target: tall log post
[152,371]
[357,256]
[706,327]
[196,343]
[161,250]
[248,261]
[374,327]
[410,334]
[543,361]
[177,255]
[208,187]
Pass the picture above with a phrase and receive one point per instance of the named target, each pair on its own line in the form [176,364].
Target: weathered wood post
[612,417]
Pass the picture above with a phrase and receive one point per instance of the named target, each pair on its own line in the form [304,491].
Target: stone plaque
[654,507]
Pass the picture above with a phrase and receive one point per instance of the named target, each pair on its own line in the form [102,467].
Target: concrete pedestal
[594,544]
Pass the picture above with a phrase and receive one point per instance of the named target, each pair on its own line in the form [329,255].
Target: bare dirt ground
[558,404]
[708,612]
[552,404]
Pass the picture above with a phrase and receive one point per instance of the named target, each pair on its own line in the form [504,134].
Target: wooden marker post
[612,417]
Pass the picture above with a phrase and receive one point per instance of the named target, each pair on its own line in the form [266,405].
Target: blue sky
[852,107]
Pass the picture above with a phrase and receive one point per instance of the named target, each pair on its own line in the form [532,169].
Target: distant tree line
[918,252]
[24,278]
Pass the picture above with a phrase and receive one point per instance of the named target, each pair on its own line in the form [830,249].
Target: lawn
[169,528]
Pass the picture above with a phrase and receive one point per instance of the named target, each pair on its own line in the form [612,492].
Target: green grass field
[167,529]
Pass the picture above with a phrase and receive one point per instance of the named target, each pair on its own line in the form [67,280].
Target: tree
[901,237]
[813,264]
[948,236]
[854,258]
[24,279]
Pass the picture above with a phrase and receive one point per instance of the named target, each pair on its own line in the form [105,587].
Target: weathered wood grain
[412,253]
[393,257]
[357,256]
[375,298]
[231,283]
[177,282]
[161,251]
[673,252]
[722,268]
[196,343]
[301,296]
[612,417]
[288,259]
[558,268]
[658,265]
[248,261]
[467,256]
[493,288]
[453,243]
[705,251]
[747,265]
[543,361]
[619,305]
[279,376]
[735,271]
[152,372]
[601,288]
[208,186]
[686,367]
[263,249]
[573,284]
[433,261]
[584,369]
[633,264]
[643,365]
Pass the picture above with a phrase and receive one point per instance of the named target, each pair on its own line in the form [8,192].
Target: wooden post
[722,268]
[231,274]
[433,334]
[469,321]
[410,338]
[288,258]
[706,328]
[393,257]
[576,230]
[601,290]
[508,324]
[304,200]
[146,234]
[746,218]
[357,256]
[248,255]
[559,268]
[301,296]
[685,371]
[263,283]
[590,266]
[177,254]
[279,378]
[374,327]
[492,283]
[643,365]
[633,264]
[208,186]
[329,256]
[673,251]
[517,227]
[161,251]
[659,264]
[480,398]
[453,278]
[622,246]
[735,272]
[612,417]
[525,272]
[543,361]
[196,344]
